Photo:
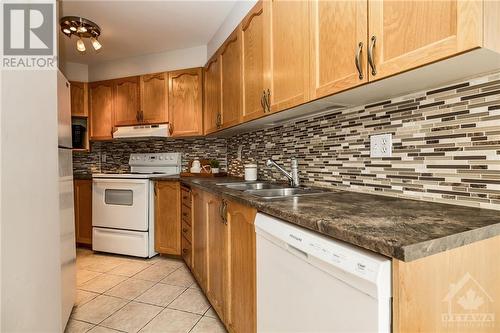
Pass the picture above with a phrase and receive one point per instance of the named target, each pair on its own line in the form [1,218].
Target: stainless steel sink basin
[254,186]
[285,192]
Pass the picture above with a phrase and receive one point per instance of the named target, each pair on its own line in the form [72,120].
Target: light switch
[381,145]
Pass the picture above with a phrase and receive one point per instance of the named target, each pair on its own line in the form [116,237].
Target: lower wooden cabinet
[167,217]
[83,210]
[200,238]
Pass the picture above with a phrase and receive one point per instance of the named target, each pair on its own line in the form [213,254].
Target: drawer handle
[184,230]
[184,250]
[184,214]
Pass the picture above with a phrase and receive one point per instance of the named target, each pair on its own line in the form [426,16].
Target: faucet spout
[293,177]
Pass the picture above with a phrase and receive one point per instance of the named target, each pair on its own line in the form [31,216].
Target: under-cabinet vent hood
[141,131]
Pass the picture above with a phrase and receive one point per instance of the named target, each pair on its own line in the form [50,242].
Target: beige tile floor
[125,294]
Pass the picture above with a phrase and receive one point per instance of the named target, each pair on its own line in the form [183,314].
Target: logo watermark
[28,35]
[468,305]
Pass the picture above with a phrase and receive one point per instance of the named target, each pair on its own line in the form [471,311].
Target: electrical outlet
[381,145]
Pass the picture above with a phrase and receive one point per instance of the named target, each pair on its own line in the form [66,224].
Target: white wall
[239,11]
[75,72]
[150,63]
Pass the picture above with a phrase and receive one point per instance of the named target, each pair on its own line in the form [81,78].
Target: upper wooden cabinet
[154,98]
[167,217]
[230,62]
[407,34]
[101,110]
[253,74]
[339,35]
[185,101]
[287,53]
[126,101]
[79,99]
[212,94]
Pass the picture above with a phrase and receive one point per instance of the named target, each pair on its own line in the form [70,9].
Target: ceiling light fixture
[81,28]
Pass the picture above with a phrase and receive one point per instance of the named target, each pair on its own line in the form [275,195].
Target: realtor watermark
[28,35]
[468,304]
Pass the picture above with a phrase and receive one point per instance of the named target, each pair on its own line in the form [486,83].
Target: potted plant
[214,164]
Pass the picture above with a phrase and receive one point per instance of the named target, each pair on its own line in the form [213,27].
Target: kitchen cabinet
[408,34]
[217,287]
[79,99]
[242,272]
[185,102]
[167,217]
[200,237]
[212,95]
[286,31]
[339,35]
[230,62]
[253,74]
[82,193]
[186,225]
[101,110]
[126,101]
[154,98]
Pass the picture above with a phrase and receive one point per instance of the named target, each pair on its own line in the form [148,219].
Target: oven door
[120,203]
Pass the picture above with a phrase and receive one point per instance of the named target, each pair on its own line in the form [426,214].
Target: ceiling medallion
[81,28]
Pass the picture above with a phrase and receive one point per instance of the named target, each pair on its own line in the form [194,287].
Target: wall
[446,146]
[118,152]
[150,63]
[239,11]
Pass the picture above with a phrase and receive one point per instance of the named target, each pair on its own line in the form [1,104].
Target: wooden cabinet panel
[154,98]
[79,99]
[200,238]
[413,33]
[101,110]
[187,231]
[167,217]
[126,101]
[187,252]
[217,255]
[287,52]
[242,271]
[212,94]
[252,36]
[185,98]
[230,62]
[339,32]
[83,211]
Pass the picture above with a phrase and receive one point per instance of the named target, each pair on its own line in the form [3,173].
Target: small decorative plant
[214,164]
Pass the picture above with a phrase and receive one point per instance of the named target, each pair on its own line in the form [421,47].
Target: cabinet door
[287,52]
[185,102]
[101,110]
[339,31]
[83,211]
[252,36]
[242,272]
[212,94]
[200,238]
[408,34]
[217,255]
[154,98]
[230,61]
[79,99]
[126,101]
[167,217]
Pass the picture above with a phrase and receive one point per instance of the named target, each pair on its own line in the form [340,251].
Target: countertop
[399,228]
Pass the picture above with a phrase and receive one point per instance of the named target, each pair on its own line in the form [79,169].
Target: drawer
[186,231]
[186,196]
[186,214]
[186,251]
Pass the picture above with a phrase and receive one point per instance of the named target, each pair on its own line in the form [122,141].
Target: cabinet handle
[371,59]
[137,116]
[170,128]
[224,212]
[184,251]
[218,122]
[357,60]
[184,230]
[262,102]
[268,100]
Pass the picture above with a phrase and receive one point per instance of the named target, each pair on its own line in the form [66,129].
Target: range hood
[142,131]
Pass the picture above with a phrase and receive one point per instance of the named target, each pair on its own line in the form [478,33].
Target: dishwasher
[307,282]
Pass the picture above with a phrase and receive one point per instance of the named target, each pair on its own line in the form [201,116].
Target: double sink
[266,190]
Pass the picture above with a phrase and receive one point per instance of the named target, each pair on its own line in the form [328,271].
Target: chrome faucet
[293,176]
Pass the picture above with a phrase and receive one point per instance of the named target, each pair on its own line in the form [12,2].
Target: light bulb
[95,43]
[81,30]
[80,46]
[66,31]
[72,28]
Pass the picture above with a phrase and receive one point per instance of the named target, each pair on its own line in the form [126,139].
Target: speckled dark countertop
[398,228]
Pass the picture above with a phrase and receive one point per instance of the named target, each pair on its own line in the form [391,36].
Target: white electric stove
[123,205]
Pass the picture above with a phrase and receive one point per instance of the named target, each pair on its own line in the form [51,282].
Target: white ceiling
[133,28]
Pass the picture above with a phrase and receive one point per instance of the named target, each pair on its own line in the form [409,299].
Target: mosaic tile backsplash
[446,146]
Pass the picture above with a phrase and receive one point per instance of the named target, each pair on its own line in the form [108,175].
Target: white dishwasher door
[310,283]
